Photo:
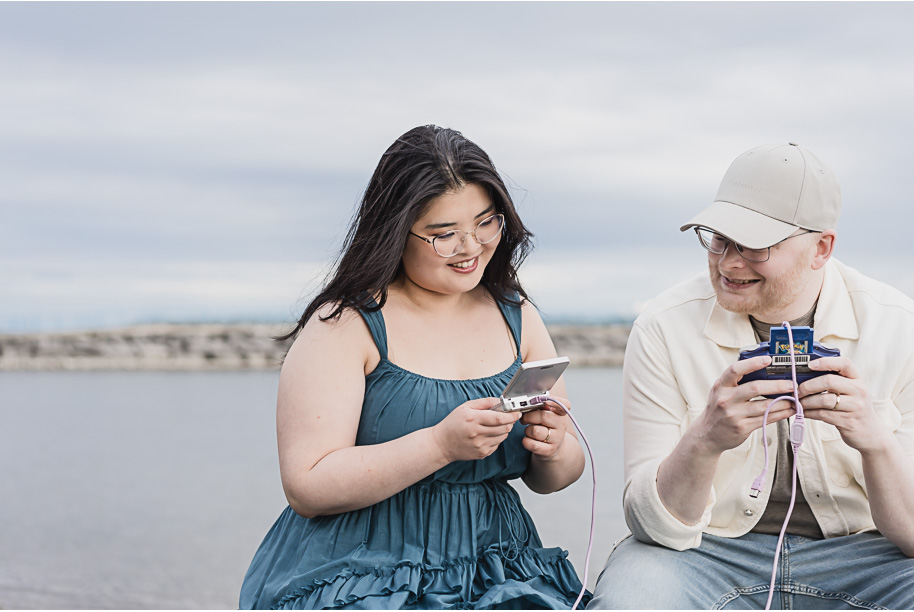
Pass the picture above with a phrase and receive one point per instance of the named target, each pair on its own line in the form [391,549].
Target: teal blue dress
[459,538]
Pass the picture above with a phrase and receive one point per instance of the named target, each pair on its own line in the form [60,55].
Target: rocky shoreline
[200,347]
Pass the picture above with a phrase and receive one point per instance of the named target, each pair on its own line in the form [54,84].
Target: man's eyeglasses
[450,243]
[717,244]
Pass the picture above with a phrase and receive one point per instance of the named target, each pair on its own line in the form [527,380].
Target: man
[703,539]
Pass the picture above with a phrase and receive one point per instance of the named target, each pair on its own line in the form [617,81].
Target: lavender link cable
[542,399]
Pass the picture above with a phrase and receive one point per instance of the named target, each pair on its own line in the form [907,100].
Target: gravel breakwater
[232,347]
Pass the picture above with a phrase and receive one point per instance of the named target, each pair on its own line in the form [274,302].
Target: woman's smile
[466,266]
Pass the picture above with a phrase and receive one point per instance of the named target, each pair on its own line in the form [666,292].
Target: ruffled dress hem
[487,581]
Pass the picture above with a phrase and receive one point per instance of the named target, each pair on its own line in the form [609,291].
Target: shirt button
[747,512]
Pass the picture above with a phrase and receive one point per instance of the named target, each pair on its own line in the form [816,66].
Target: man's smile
[738,283]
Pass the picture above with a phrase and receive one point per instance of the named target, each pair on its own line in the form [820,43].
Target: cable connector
[757,484]
[797,430]
[542,399]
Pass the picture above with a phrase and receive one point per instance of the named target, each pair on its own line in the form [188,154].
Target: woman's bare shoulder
[531,319]
[345,337]
[536,342]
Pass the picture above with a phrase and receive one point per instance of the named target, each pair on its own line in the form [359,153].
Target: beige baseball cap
[770,191]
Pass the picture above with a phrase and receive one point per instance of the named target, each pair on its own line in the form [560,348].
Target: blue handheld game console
[805,350]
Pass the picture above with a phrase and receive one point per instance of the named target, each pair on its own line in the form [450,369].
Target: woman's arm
[321,389]
[557,458]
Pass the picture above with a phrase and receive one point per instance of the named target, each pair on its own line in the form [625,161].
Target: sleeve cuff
[650,520]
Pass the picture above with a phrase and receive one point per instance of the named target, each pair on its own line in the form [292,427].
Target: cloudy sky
[174,161]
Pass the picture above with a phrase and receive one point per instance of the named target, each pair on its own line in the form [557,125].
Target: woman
[394,467]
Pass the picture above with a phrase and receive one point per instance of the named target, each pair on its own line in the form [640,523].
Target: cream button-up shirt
[682,344]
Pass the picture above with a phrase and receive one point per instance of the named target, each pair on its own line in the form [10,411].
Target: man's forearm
[889,475]
[685,477]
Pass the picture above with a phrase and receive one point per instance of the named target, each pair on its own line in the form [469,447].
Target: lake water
[154,489]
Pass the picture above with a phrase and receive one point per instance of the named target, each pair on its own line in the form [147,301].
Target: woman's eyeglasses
[448,244]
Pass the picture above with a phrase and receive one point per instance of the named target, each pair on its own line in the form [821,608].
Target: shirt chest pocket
[844,463]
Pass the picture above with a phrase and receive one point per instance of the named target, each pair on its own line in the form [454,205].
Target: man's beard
[778,292]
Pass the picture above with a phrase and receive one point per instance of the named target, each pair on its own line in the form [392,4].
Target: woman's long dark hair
[424,163]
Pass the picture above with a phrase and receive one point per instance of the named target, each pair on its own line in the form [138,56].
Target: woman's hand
[473,431]
[545,431]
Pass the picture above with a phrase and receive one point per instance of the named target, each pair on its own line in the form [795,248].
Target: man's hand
[684,478]
[730,416]
[840,399]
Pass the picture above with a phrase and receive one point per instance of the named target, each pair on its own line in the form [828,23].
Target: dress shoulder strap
[375,321]
[512,315]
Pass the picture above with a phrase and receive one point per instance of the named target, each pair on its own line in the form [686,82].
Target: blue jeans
[858,571]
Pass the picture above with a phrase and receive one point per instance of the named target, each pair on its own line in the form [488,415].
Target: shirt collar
[834,316]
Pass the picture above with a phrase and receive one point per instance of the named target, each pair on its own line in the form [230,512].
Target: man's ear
[824,248]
